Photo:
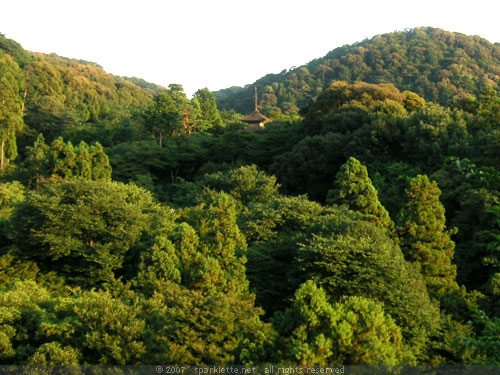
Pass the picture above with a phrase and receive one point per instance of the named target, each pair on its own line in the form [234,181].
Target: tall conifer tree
[423,235]
[354,188]
[354,331]
[37,160]
[162,116]
[210,115]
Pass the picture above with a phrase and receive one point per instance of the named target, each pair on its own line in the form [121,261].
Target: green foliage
[12,268]
[477,225]
[220,262]
[207,315]
[96,327]
[291,239]
[98,272]
[162,117]
[234,145]
[344,107]
[355,189]
[246,184]
[11,116]
[469,193]
[413,102]
[21,314]
[484,346]
[491,260]
[435,64]
[180,159]
[274,229]
[193,302]
[37,160]
[354,331]
[210,115]
[368,95]
[488,109]
[107,329]
[193,326]
[369,129]
[231,116]
[434,132]
[14,49]
[423,236]
[368,122]
[10,194]
[148,86]
[48,115]
[310,166]
[159,265]
[391,181]
[90,327]
[355,258]
[63,160]
[53,354]
[64,94]
[85,230]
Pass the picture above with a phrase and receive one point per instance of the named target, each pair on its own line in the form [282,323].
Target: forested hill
[61,92]
[436,64]
[140,228]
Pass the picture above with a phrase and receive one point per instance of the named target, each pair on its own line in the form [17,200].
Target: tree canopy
[139,226]
[437,65]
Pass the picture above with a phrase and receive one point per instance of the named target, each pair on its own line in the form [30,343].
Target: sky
[223,43]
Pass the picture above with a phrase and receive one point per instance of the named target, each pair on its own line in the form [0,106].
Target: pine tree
[207,315]
[56,154]
[86,230]
[86,327]
[355,189]
[66,163]
[246,184]
[162,116]
[37,160]
[356,258]
[83,162]
[210,115]
[356,331]
[220,260]
[100,163]
[307,329]
[423,235]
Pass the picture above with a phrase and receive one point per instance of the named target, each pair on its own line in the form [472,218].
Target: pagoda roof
[256,118]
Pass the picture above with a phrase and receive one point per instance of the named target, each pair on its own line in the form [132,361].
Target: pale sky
[223,43]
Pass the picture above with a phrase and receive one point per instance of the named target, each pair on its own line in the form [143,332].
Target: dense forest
[436,64]
[361,226]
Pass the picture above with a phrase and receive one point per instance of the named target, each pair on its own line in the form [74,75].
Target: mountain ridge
[61,93]
[437,64]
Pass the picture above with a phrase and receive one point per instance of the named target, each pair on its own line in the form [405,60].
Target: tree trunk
[7,160]
[24,100]
[25,91]
[173,176]
[160,139]
[2,166]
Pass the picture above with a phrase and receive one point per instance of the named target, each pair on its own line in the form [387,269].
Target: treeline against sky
[138,226]
[436,64]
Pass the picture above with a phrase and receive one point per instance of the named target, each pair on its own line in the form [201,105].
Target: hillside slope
[436,64]
[60,92]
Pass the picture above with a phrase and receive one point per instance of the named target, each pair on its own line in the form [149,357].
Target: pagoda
[256,120]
